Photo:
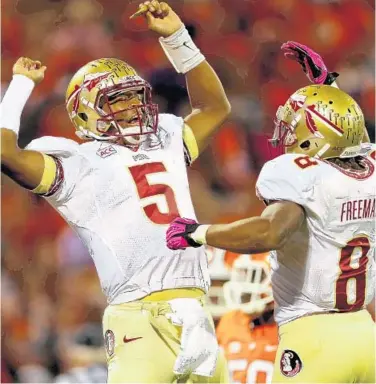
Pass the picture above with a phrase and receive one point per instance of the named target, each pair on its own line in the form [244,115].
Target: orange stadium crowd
[51,299]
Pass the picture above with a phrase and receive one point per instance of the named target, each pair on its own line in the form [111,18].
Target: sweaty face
[121,104]
[124,109]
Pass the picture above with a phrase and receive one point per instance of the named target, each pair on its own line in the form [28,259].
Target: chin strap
[85,134]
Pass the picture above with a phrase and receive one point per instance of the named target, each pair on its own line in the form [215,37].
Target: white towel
[199,347]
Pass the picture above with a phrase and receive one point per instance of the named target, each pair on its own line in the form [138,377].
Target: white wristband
[14,101]
[181,51]
[199,235]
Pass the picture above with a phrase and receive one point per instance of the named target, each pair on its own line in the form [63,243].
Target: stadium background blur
[51,300]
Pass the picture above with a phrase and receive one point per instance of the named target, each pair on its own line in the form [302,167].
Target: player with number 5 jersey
[120,189]
[319,224]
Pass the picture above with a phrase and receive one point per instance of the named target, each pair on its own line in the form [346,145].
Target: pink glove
[312,63]
[178,231]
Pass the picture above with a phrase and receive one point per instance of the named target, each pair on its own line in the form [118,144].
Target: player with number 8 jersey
[319,226]
[120,190]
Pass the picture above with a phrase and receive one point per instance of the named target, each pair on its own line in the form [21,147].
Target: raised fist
[160,17]
[32,69]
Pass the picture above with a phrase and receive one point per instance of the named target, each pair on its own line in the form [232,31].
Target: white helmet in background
[249,288]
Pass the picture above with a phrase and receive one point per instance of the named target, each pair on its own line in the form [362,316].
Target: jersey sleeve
[175,124]
[288,177]
[63,166]
[71,170]
[190,145]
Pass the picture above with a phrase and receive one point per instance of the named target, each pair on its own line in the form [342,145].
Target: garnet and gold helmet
[96,88]
[319,121]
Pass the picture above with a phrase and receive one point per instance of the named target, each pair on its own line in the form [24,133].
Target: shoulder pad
[288,177]
[51,145]
[167,120]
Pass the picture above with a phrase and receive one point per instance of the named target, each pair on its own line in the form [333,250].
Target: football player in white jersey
[319,225]
[120,190]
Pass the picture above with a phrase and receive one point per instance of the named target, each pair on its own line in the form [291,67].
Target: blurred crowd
[51,299]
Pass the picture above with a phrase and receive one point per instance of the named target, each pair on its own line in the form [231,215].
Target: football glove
[178,232]
[312,63]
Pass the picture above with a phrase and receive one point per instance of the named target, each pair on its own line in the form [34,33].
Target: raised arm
[314,67]
[26,168]
[209,103]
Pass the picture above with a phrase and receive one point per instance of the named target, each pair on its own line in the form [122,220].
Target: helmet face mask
[283,135]
[319,121]
[107,100]
[137,116]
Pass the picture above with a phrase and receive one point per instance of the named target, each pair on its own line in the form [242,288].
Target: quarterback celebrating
[120,190]
[319,227]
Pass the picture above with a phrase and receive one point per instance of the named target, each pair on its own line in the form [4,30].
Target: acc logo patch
[109,342]
[290,363]
[107,151]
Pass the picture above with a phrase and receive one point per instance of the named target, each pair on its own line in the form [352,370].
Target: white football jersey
[120,203]
[329,263]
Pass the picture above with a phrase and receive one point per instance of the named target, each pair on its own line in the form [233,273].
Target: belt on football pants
[170,294]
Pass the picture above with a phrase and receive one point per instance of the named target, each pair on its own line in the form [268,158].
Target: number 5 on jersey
[147,189]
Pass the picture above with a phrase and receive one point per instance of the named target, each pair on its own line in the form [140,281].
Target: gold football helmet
[99,86]
[319,121]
